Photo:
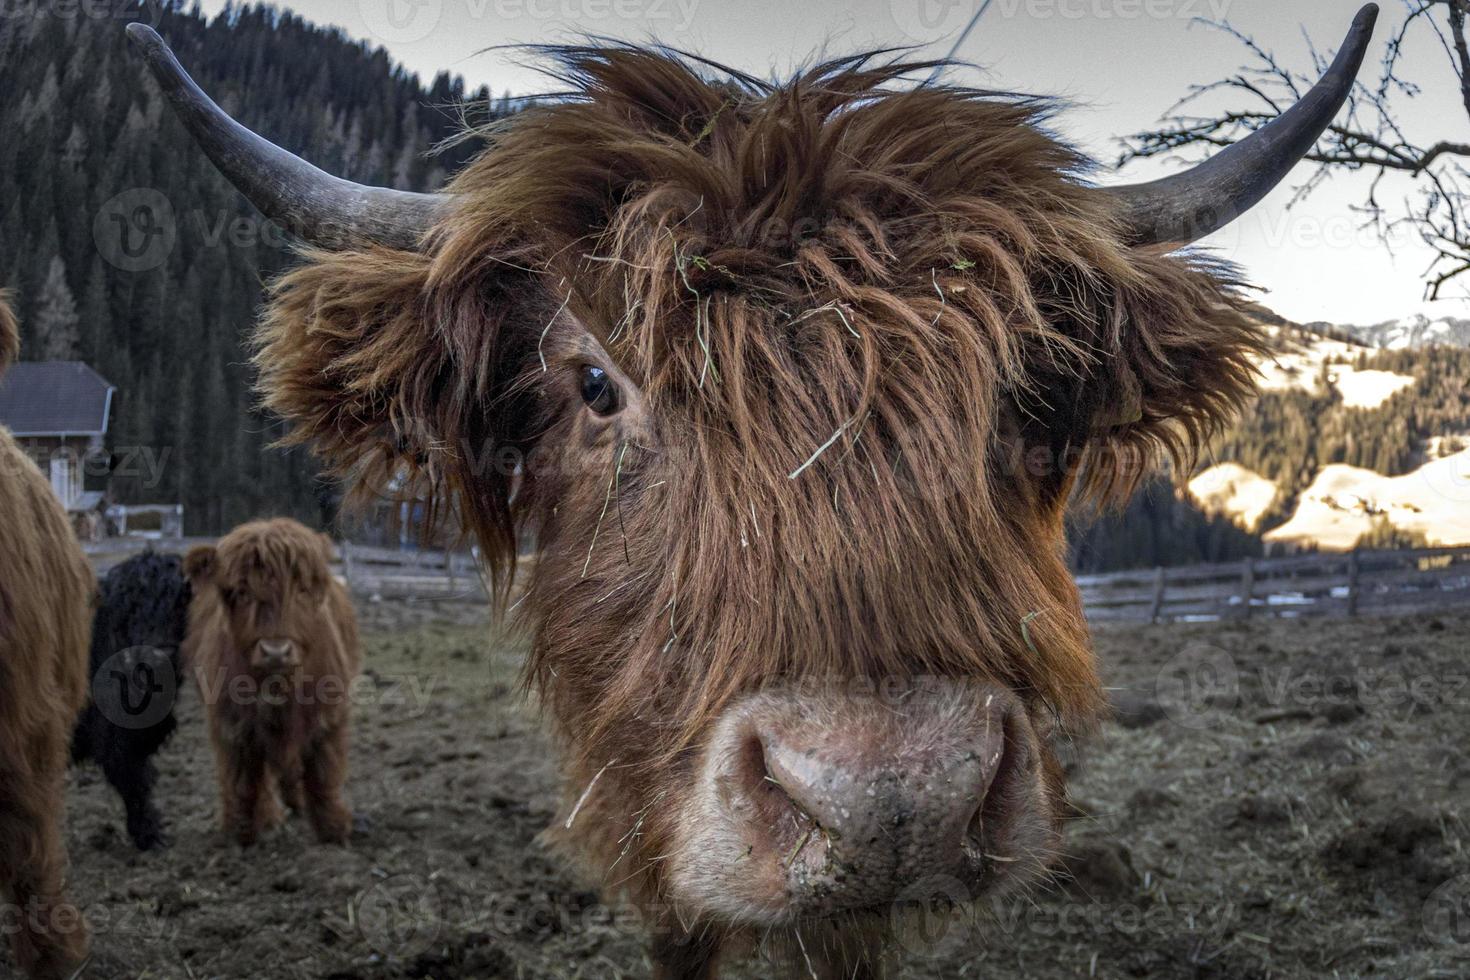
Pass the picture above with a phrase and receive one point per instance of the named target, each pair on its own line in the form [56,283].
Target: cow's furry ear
[1180,364]
[199,565]
[348,354]
[9,333]
[396,383]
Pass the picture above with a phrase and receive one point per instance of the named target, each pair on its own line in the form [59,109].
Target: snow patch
[1301,367]
[1344,502]
[1230,489]
[1414,332]
[1305,365]
[1438,447]
[1367,389]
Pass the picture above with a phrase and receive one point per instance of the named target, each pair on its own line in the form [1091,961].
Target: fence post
[1247,586]
[1353,570]
[1157,608]
[346,550]
[449,564]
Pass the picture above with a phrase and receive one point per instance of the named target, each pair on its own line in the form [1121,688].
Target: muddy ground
[1279,799]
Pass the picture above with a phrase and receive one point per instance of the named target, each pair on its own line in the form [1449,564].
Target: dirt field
[1282,799]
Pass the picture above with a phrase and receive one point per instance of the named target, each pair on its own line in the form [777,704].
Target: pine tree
[95,316]
[56,320]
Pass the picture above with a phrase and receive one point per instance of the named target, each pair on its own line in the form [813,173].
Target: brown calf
[45,596]
[272,644]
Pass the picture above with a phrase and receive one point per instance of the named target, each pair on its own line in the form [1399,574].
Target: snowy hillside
[1329,458]
[1345,502]
[1305,365]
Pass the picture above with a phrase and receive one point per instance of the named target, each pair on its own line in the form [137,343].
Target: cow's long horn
[1186,207]
[306,201]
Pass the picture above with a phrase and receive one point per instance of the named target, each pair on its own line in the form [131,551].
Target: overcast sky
[1121,63]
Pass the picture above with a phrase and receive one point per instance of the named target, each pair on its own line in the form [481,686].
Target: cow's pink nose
[849,803]
[914,812]
[275,653]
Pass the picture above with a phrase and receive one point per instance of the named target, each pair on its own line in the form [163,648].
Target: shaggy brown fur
[274,726]
[868,341]
[45,594]
[9,333]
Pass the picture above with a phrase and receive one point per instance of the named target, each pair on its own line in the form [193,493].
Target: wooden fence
[368,572]
[1346,584]
[1359,582]
[391,574]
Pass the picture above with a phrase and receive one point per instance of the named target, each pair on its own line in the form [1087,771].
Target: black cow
[142,613]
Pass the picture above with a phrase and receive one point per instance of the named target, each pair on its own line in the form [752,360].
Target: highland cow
[791,384]
[142,613]
[272,644]
[45,595]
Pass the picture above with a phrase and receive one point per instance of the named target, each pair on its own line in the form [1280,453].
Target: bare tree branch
[1368,137]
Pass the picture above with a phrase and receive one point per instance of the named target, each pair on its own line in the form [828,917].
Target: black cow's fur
[142,614]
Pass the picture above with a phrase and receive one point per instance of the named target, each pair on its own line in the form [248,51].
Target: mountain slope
[1412,332]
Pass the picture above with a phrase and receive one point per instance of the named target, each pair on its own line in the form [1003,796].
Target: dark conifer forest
[91,154]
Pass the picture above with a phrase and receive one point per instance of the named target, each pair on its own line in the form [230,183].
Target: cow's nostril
[802,780]
[990,808]
[773,806]
[1005,797]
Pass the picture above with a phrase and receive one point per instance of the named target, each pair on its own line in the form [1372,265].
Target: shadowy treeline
[91,154]
[1156,528]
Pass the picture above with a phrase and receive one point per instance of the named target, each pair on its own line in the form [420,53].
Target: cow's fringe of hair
[397,392]
[389,361]
[264,557]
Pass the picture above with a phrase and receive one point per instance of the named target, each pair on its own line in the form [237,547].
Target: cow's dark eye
[598,390]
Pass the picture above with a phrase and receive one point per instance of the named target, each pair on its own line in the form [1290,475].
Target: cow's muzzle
[275,656]
[815,803]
